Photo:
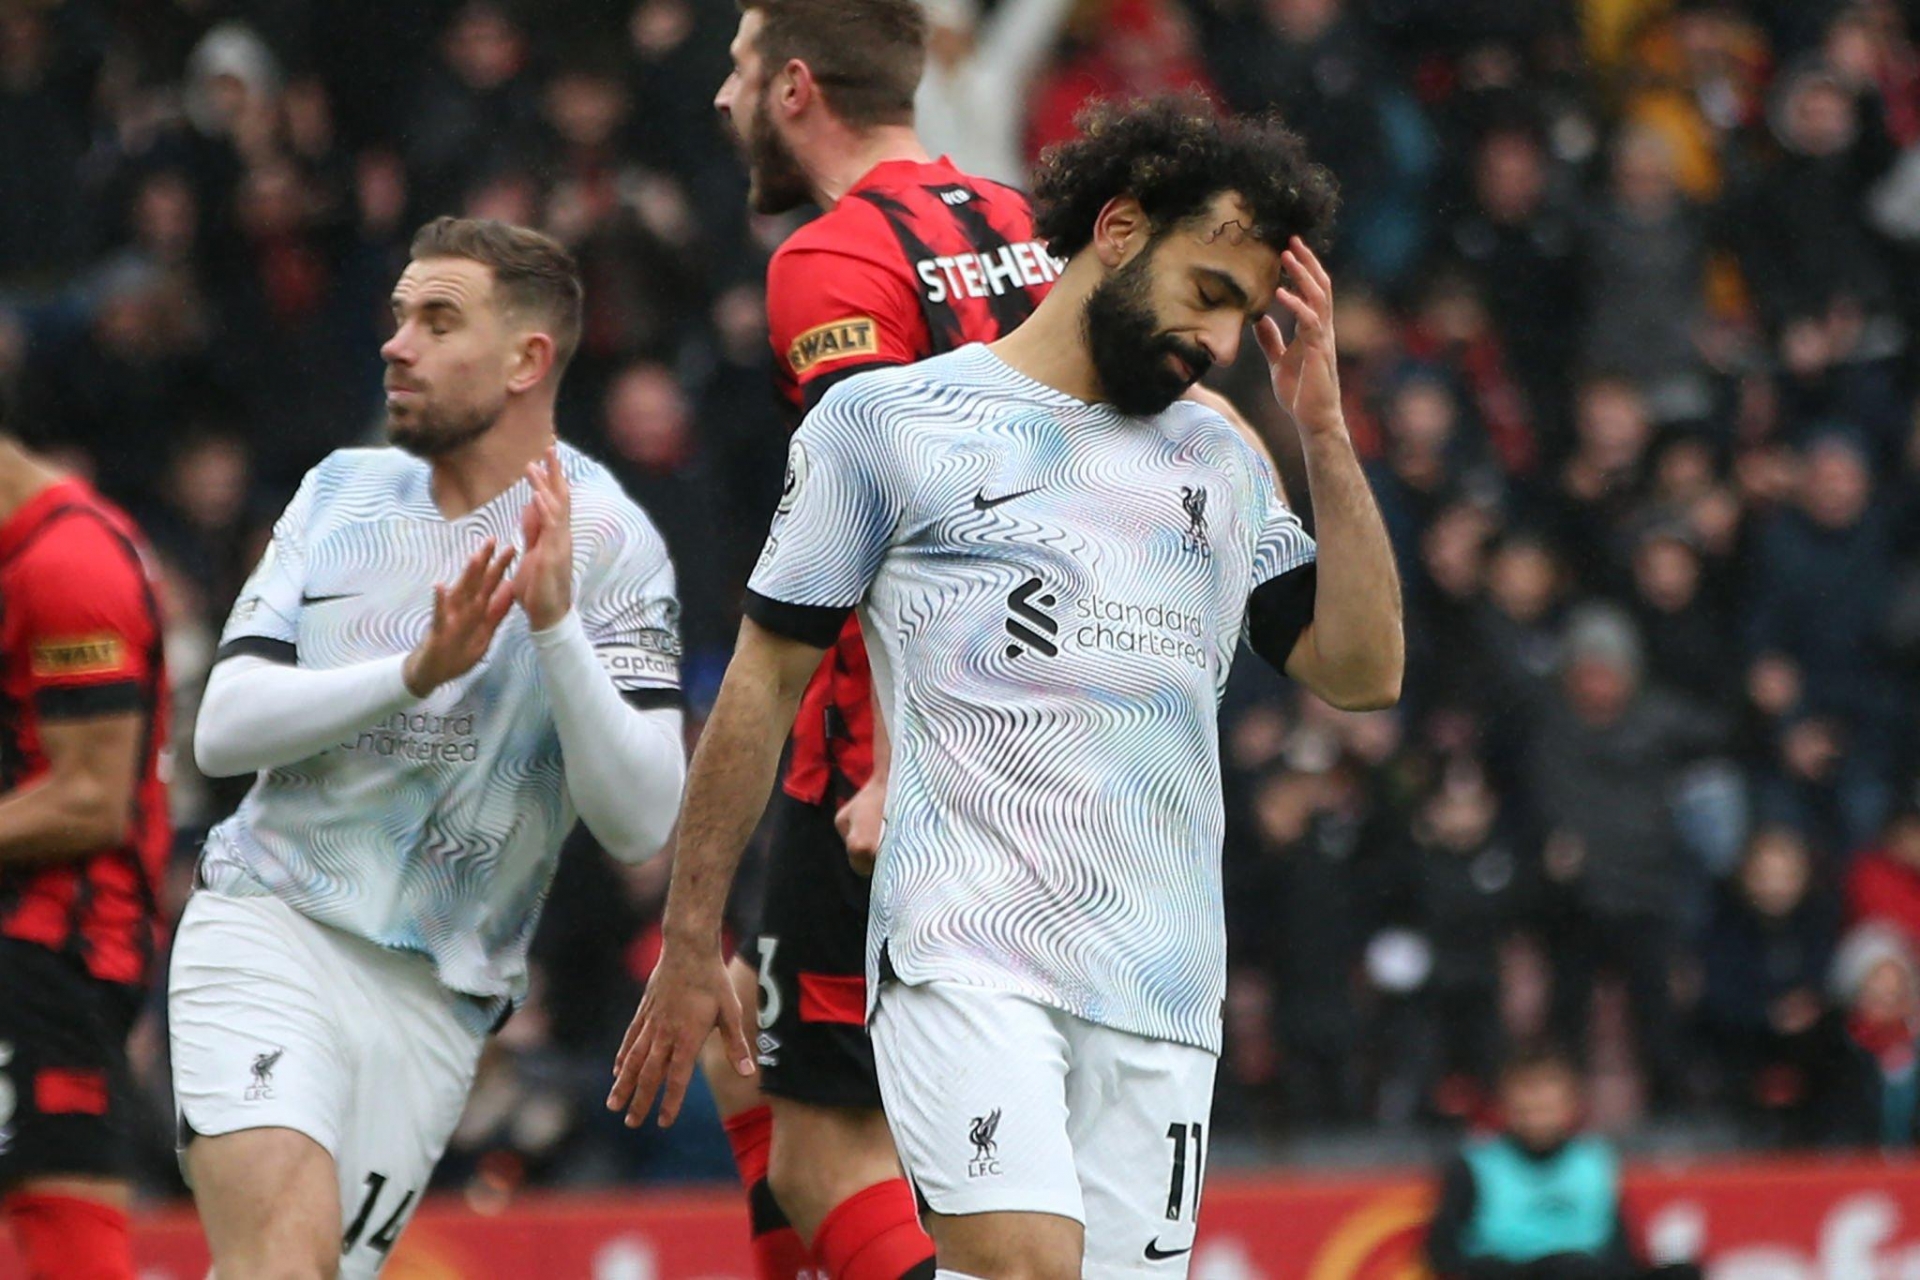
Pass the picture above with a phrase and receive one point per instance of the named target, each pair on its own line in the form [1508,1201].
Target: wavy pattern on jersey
[437,831]
[1054,819]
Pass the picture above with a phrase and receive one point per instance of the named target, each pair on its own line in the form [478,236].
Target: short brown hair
[866,55]
[533,274]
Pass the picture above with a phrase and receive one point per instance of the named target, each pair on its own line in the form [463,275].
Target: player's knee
[822,1155]
[1059,1263]
[1009,1246]
[795,1177]
[281,1255]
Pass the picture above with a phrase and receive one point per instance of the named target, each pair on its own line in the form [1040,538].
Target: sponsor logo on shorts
[262,1087]
[1156,1254]
[835,340]
[985,1163]
[768,1047]
[79,655]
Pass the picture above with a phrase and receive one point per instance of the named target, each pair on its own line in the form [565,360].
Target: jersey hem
[913,975]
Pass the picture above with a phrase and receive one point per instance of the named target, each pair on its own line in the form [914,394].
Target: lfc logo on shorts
[262,1087]
[985,1149]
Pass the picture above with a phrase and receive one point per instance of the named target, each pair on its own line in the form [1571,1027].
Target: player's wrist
[690,938]
[416,675]
[556,628]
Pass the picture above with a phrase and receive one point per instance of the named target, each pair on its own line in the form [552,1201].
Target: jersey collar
[887,172]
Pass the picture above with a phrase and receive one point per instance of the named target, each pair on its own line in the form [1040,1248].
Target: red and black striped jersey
[916,259]
[80,636]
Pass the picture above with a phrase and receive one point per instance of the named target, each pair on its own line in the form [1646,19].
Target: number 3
[769,991]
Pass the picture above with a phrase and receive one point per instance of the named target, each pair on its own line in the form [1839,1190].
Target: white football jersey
[436,830]
[1052,593]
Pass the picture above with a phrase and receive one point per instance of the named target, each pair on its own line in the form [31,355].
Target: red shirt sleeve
[831,312]
[81,650]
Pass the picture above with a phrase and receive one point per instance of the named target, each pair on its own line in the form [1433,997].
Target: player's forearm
[257,714]
[727,787]
[625,766]
[1357,627]
[52,819]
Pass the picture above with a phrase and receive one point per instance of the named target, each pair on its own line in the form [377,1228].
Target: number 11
[1177,1185]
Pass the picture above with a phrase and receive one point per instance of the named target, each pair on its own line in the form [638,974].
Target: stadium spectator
[1646,272]
[972,105]
[476,106]
[1599,756]
[1874,1079]
[1539,1200]
[1600,483]
[1322,66]
[1822,571]
[1523,249]
[1766,956]
[1452,898]
[1883,885]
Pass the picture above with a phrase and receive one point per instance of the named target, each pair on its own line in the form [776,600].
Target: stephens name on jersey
[436,830]
[1053,593]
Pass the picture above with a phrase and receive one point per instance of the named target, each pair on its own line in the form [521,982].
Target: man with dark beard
[911,258]
[426,729]
[1055,560]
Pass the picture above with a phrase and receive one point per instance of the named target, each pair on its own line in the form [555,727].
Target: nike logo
[345,595]
[1156,1254]
[981,502]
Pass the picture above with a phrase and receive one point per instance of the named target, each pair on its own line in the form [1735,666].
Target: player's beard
[1129,349]
[434,433]
[775,181]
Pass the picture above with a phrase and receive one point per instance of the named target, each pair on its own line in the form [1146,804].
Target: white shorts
[280,1022]
[999,1104]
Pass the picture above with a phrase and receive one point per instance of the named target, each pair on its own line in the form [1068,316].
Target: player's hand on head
[466,613]
[689,994]
[544,585]
[1306,375]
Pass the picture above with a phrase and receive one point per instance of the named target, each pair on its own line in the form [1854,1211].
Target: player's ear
[533,357]
[1120,231]
[793,88]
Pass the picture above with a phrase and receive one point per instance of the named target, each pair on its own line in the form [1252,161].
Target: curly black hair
[1175,153]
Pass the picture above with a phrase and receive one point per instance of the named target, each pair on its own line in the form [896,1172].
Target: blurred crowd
[1628,300]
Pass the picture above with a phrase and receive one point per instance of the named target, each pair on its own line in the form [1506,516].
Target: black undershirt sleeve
[818,387]
[816,625]
[259,647]
[1278,611]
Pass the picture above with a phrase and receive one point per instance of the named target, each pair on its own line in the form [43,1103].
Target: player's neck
[22,477]
[478,472]
[1050,346]
[855,157]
